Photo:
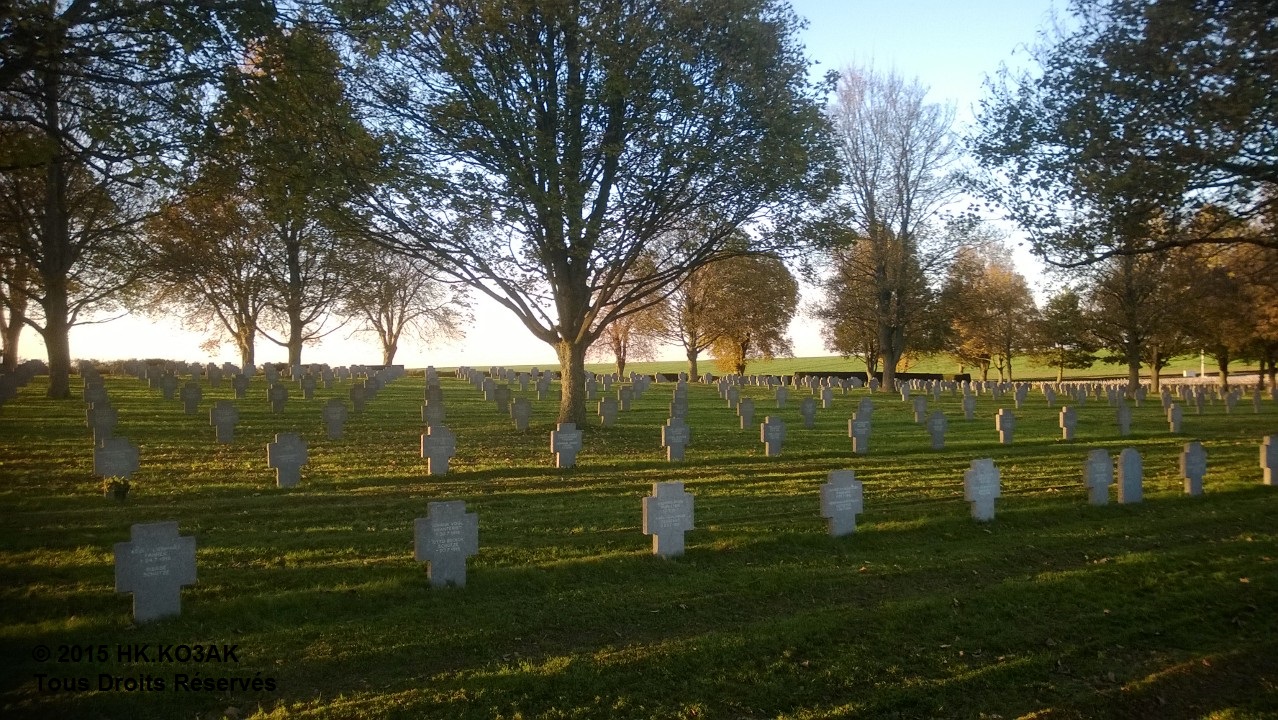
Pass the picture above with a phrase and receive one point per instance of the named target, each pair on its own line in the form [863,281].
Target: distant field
[1022,368]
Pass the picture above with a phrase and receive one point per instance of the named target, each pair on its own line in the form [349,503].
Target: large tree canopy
[548,146]
[1141,114]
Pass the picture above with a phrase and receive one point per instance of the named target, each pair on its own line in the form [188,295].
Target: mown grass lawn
[1056,609]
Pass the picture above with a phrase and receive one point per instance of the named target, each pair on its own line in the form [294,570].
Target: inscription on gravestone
[444,539]
[981,488]
[565,443]
[841,500]
[154,565]
[667,515]
[438,445]
[287,455]
[674,438]
[1098,475]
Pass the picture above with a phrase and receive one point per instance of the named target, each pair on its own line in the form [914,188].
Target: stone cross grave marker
[521,413]
[920,409]
[1193,465]
[94,393]
[675,435]
[841,500]
[433,412]
[358,395]
[807,410]
[438,445]
[667,515]
[271,373]
[309,383]
[981,488]
[905,391]
[782,396]
[1255,400]
[1269,460]
[827,398]
[444,539]
[625,395]
[745,412]
[1050,395]
[733,395]
[1005,422]
[859,431]
[154,565]
[565,443]
[608,411]
[1098,475]
[277,395]
[501,397]
[874,384]
[969,406]
[223,416]
[287,455]
[1068,423]
[191,396]
[239,384]
[865,409]
[335,414]
[772,434]
[936,427]
[1131,473]
[1174,417]
[115,457]
[1124,418]
[592,389]
[168,386]
[543,387]
[214,375]
[101,418]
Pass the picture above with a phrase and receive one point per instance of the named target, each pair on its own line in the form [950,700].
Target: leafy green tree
[549,147]
[750,302]
[288,139]
[393,297]
[95,100]
[990,310]
[208,266]
[897,153]
[1062,335]
[1142,113]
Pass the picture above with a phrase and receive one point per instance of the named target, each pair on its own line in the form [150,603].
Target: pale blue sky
[949,46]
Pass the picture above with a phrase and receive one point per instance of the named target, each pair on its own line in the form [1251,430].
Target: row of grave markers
[157,562]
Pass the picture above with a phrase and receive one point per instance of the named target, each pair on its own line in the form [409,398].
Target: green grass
[1023,368]
[1056,609]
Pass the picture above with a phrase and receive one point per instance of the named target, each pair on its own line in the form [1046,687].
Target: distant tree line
[625,175]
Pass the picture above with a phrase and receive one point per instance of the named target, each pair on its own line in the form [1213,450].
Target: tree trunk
[246,356]
[692,365]
[572,371]
[57,338]
[1060,374]
[12,334]
[1009,369]
[388,353]
[294,339]
[888,340]
[1132,348]
[1222,362]
[1154,371]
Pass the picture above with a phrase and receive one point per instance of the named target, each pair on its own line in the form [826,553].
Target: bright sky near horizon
[949,46]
